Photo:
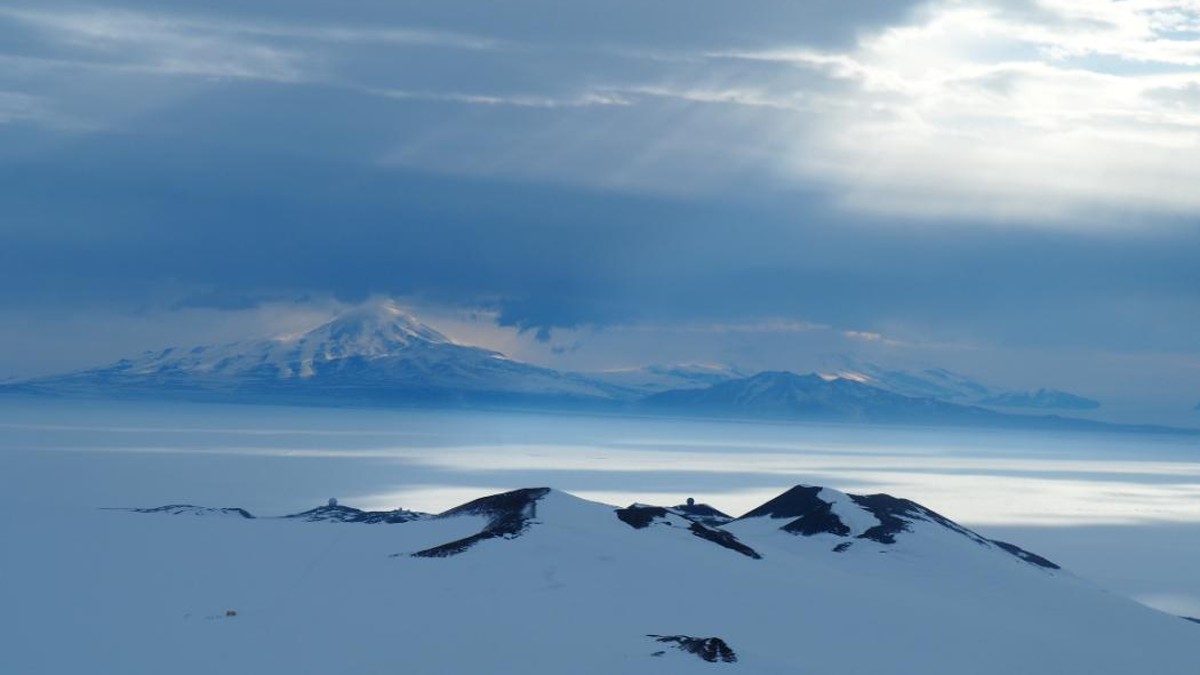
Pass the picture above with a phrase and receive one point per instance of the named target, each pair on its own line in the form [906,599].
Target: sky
[1006,189]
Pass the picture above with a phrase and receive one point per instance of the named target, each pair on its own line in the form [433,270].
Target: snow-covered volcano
[375,352]
[538,581]
[379,355]
[370,333]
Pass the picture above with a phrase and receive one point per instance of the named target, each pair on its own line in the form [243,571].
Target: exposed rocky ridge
[192,510]
[508,514]
[337,513]
[702,513]
[559,584]
[332,512]
[711,649]
[804,510]
[812,510]
[641,516]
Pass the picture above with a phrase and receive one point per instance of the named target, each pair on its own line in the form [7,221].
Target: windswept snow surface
[572,589]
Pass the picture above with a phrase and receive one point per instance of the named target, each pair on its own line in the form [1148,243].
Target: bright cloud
[187,45]
[783,180]
[163,45]
[19,108]
[1046,112]
[1066,111]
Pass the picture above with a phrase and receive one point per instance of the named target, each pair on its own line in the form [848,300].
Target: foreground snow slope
[538,581]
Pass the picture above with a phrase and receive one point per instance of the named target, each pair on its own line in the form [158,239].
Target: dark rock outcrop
[509,515]
[711,649]
[810,515]
[641,516]
[702,513]
[192,510]
[336,513]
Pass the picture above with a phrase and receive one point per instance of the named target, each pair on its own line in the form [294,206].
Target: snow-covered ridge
[379,355]
[192,510]
[805,510]
[333,512]
[508,516]
[542,582]
[945,385]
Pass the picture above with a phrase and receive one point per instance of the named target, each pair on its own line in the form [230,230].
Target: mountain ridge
[783,395]
[555,583]
[380,355]
[952,387]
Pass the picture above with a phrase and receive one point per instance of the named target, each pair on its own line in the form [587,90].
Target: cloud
[160,44]
[175,44]
[1039,117]
[514,100]
[21,108]
[865,336]
[1052,113]
[765,326]
[397,35]
[778,166]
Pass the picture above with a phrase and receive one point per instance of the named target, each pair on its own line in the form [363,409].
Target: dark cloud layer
[684,24]
[121,218]
[565,163]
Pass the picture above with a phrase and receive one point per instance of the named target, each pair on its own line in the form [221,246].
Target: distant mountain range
[380,355]
[945,385]
[657,378]
[784,395]
[1043,399]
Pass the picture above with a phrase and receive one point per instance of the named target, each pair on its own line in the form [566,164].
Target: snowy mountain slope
[788,395]
[829,516]
[572,588]
[1042,399]
[936,383]
[378,355]
[946,385]
[657,378]
[376,352]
